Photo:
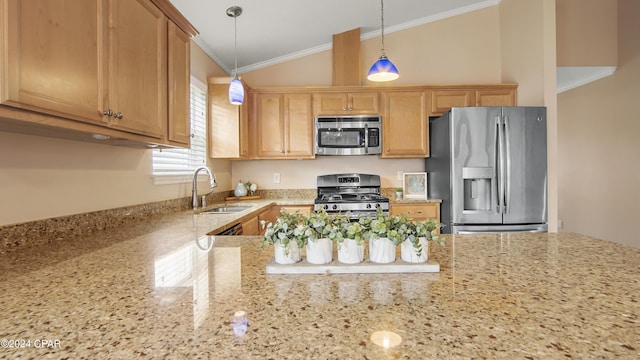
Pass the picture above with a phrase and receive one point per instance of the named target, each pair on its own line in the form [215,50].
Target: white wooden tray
[365,267]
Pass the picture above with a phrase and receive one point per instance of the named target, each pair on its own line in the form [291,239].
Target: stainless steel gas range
[353,194]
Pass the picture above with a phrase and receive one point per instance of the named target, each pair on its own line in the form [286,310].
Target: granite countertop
[156,289]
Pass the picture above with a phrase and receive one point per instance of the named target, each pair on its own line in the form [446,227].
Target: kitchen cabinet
[496,97]
[228,124]
[346,103]
[417,211]
[251,226]
[443,98]
[267,216]
[282,125]
[179,78]
[292,209]
[103,63]
[405,124]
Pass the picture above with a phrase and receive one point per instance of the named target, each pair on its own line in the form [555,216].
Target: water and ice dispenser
[478,183]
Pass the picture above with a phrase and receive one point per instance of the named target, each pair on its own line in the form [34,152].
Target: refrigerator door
[525,139]
[474,165]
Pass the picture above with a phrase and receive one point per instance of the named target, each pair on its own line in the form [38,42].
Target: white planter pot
[319,251]
[349,252]
[287,256]
[409,254]
[382,250]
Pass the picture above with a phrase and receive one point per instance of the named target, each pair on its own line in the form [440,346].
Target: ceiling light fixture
[383,69]
[236,90]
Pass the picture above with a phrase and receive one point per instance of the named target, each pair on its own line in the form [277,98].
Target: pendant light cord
[382,21]
[235,43]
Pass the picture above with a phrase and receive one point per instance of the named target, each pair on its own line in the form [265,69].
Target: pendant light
[383,69]
[236,90]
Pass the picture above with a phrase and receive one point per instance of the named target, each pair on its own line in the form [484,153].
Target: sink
[226,210]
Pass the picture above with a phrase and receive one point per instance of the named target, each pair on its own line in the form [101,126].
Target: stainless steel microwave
[348,135]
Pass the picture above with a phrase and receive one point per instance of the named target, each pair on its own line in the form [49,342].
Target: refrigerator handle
[498,165]
[507,173]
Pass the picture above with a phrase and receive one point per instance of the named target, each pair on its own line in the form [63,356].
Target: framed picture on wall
[415,185]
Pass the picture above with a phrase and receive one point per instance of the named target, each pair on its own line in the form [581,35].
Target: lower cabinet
[251,226]
[292,209]
[417,211]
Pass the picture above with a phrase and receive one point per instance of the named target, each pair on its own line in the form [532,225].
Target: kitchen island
[164,289]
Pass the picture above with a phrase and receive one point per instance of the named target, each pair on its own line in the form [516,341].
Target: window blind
[182,162]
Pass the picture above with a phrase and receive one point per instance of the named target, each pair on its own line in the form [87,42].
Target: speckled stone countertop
[159,289]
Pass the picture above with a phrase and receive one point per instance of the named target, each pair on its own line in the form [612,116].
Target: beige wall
[44,177]
[599,128]
[585,33]
[459,50]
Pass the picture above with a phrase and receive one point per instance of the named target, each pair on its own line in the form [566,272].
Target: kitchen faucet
[194,194]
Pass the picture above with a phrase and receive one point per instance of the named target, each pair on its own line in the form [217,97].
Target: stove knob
[334,207]
[326,207]
[368,206]
[377,205]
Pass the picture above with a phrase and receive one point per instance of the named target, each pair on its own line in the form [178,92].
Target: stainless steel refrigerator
[489,167]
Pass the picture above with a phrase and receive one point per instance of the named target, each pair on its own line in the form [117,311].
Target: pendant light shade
[236,90]
[383,69]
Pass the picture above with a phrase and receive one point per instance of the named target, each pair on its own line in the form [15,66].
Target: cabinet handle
[119,115]
[108,113]
[414,212]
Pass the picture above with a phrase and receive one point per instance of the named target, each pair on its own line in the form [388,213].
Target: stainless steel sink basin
[226,209]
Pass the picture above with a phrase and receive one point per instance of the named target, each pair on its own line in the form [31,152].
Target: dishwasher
[236,229]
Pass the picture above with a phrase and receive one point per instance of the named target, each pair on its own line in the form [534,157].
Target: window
[177,165]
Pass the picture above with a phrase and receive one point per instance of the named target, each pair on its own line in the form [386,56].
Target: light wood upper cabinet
[55,61]
[282,125]
[496,97]
[228,124]
[179,85]
[100,62]
[444,99]
[350,103]
[138,67]
[405,125]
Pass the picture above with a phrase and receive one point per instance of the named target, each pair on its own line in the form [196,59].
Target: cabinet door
[179,89]
[405,125]
[269,126]
[137,67]
[251,226]
[363,103]
[330,103]
[338,103]
[418,212]
[443,100]
[496,97]
[224,125]
[52,64]
[298,120]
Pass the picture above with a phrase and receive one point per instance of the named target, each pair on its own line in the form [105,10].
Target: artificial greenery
[318,224]
[392,227]
[288,227]
[321,225]
[417,229]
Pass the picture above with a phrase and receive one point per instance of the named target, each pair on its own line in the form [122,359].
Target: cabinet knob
[388,149]
[119,115]
[108,113]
